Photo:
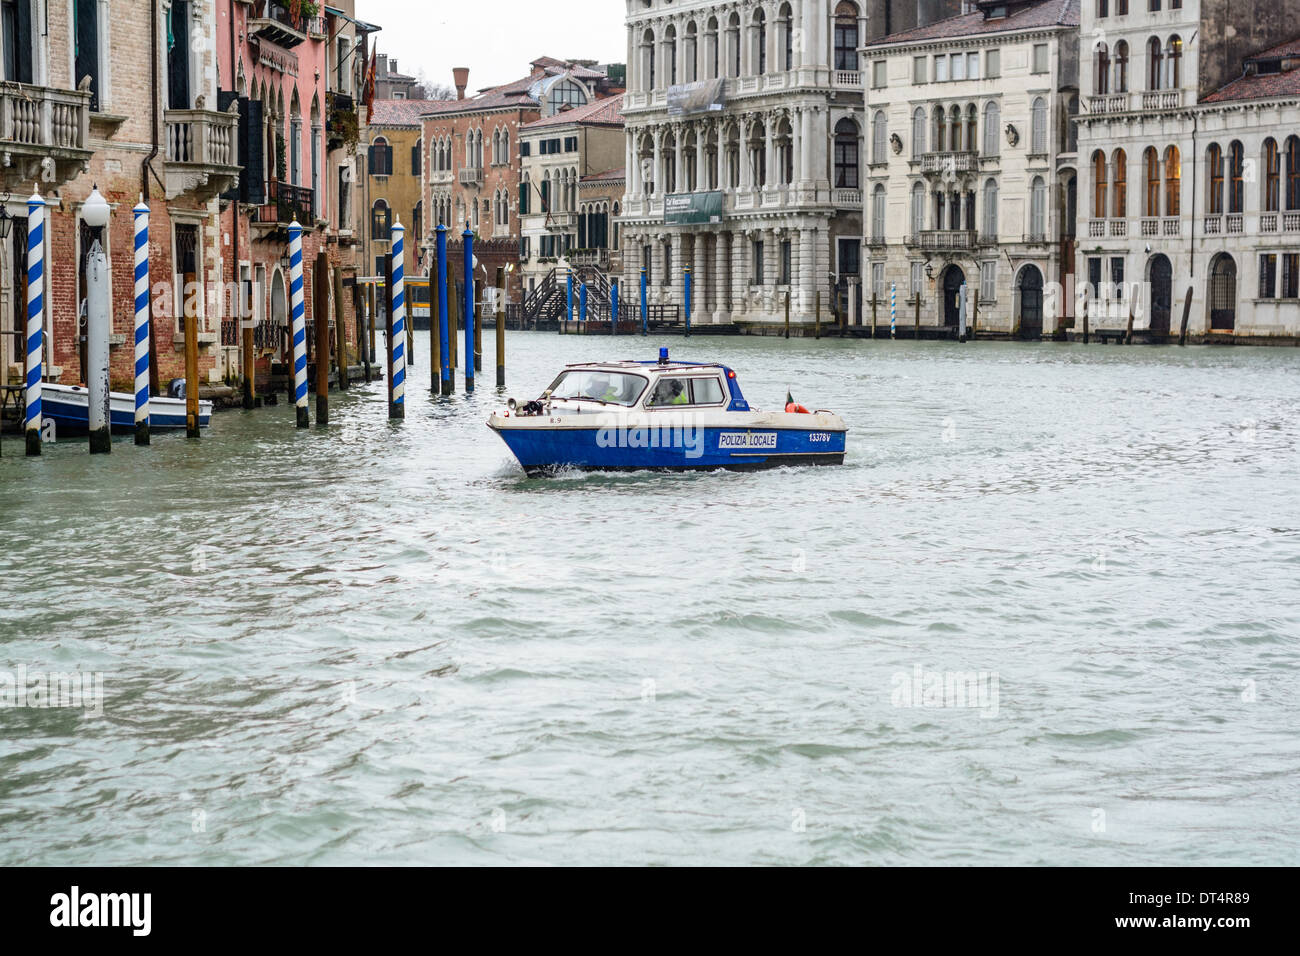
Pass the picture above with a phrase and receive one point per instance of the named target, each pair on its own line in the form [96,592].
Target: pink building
[298,72]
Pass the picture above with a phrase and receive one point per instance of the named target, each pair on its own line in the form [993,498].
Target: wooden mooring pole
[1187,312]
[340,331]
[320,310]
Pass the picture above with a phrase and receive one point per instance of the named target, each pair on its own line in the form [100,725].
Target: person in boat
[603,390]
[670,391]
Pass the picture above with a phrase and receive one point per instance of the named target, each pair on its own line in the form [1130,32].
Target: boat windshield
[614,388]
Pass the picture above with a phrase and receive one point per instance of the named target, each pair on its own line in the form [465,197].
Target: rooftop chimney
[460,76]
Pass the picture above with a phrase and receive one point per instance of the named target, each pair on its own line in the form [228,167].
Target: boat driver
[602,389]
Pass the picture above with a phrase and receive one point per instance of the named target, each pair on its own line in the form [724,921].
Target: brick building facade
[471,153]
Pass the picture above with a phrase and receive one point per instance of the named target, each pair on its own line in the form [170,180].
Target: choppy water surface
[383,644]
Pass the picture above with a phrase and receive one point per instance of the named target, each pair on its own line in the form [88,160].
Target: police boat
[663,415]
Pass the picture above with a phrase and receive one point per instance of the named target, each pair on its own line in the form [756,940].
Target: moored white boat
[68,406]
[622,416]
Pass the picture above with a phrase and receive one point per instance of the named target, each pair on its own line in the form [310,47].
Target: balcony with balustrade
[285,202]
[201,157]
[1110,103]
[471,175]
[277,23]
[944,240]
[966,161]
[44,135]
[1161,100]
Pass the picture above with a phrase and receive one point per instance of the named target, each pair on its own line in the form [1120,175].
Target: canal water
[1044,614]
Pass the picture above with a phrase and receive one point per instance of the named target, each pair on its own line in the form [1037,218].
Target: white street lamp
[95,210]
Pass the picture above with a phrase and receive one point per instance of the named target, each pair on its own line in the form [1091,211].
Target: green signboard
[689,209]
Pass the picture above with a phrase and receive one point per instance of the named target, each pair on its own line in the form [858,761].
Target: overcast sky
[496,39]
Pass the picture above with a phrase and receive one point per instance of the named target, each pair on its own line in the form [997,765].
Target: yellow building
[394,158]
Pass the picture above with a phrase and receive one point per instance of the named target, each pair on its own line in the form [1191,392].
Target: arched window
[1098,185]
[733,45]
[1121,67]
[992,127]
[1155,64]
[670,55]
[1038,208]
[1101,69]
[786,16]
[879,139]
[712,62]
[918,132]
[1237,182]
[918,208]
[846,36]
[846,154]
[1151,202]
[991,208]
[1038,127]
[1174,69]
[380,221]
[1173,181]
[954,129]
[940,130]
[878,212]
[1292,173]
[691,43]
[972,128]
[505,146]
[1272,176]
[758,33]
[648,64]
[381,157]
[1120,164]
[1214,169]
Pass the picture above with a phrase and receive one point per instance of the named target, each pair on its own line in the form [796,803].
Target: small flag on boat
[789,399]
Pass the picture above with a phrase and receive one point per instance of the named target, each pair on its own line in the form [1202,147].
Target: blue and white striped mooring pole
[299,327]
[468,236]
[141,214]
[35,317]
[613,307]
[397,399]
[645,320]
[893,308]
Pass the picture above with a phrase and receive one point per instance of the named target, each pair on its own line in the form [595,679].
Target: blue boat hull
[541,451]
[69,414]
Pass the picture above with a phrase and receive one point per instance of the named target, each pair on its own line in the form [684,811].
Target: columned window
[1121,184]
[1099,185]
[846,36]
[846,154]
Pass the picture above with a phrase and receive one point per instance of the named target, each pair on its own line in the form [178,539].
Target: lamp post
[95,212]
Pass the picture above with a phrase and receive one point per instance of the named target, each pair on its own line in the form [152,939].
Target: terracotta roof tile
[604,112]
[1046,13]
[609,175]
[401,112]
[1263,86]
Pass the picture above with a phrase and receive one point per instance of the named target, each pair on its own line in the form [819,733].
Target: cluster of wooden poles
[443,351]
